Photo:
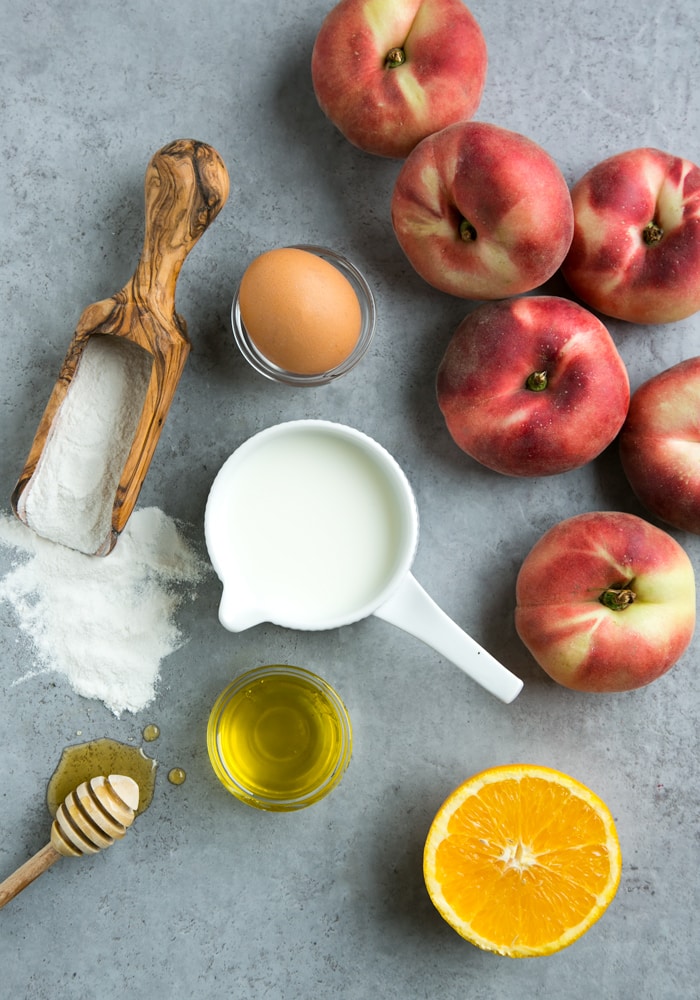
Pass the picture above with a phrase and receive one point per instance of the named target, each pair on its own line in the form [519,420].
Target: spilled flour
[105,623]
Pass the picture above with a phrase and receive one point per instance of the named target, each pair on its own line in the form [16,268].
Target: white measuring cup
[312,525]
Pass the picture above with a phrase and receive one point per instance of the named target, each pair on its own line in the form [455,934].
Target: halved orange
[522,860]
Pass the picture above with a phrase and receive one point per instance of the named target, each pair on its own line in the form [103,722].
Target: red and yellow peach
[605,601]
[532,386]
[482,212]
[660,445]
[388,73]
[635,253]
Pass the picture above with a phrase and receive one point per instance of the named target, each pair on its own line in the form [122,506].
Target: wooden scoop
[89,819]
[186,186]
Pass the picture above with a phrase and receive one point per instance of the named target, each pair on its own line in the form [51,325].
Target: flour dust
[105,623]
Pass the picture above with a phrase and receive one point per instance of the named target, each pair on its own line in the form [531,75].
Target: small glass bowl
[279,738]
[368,312]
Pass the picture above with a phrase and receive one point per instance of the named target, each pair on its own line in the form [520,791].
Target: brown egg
[300,312]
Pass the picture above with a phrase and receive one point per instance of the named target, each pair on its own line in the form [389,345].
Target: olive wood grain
[186,185]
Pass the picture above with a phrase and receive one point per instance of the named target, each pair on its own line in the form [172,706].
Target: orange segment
[522,860]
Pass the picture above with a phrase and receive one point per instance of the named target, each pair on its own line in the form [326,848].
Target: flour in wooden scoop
[70,496]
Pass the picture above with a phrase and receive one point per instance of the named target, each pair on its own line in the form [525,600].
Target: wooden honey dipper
[90,818]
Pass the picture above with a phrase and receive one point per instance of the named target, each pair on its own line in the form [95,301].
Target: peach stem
[617,598]
[653,233]
[467,232]
[395,57]
[537,381]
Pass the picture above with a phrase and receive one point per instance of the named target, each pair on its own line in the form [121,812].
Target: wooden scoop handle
[27,872]
[186,186]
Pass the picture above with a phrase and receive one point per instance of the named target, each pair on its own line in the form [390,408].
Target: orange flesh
[524,865]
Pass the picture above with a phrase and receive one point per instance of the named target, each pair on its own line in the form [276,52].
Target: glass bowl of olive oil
[279,738]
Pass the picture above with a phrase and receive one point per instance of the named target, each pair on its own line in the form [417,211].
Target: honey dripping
[151,732]
[176,776]
[83,761]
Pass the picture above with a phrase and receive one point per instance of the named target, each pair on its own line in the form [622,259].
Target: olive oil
[279,738]
[83,761]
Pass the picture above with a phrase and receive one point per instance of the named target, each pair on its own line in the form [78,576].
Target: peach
[660,445]
[387,73]
[635,253]
[605,601]
[532,386]
[482,212]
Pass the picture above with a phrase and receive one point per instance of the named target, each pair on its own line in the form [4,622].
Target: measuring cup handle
[411,609]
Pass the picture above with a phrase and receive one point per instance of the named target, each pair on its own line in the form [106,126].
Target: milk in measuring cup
[313,524]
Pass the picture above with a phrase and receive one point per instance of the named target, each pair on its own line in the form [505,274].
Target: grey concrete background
[207,898]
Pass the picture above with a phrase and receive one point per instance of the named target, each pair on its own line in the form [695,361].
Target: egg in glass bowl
[303,315]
